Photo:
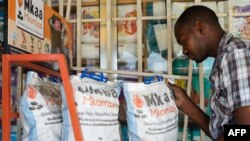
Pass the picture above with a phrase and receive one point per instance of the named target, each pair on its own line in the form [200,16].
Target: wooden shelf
[122,2]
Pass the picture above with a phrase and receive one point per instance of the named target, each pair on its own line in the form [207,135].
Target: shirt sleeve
[236,77]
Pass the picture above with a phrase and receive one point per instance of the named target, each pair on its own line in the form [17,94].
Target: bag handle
[153,79]
[98,77]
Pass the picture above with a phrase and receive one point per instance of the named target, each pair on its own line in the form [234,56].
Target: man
[201,36]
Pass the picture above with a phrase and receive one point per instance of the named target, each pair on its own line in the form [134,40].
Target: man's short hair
[197,12]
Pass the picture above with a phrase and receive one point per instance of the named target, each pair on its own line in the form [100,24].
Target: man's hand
[185,104]
[180,94]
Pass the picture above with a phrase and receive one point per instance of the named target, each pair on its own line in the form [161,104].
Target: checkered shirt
[230,82]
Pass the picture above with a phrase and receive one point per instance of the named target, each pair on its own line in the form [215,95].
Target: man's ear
[199,27]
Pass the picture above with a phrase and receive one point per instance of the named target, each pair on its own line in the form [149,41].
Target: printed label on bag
[97,106]
[152,113]
[40,110]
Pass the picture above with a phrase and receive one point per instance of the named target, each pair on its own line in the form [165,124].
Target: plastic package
[97,105]
[151,112]
[40,110]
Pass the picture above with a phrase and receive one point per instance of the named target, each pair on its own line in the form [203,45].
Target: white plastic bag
[40,110]
[151,112]
[97,106]
[156,63]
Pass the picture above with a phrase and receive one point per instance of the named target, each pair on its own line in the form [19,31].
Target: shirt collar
[223,43]
[221,48]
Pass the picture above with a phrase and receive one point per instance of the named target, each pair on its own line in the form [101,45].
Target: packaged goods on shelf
[127,62]
[180,65]
[156,30]
[241,24]
[97,105]
[157,39]
[156,8]
[40,110]
[90,55]
[222,8]
[151,112]
[127,29]
[179,7]
[90,51]
[127,59]
[156,63]
[90,30]
[210,4]
[159,8]
[130,48]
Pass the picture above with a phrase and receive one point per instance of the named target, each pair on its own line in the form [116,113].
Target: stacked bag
[41,110]
[151,112]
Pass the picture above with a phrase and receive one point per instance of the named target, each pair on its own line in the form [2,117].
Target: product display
[130,48]
[210,4]
[127,62]
[127,30]
[179,7]
[90,51]
[156,30]
[151,112]
[128,40]
[97,106]
[222,8]
[156,41]
[127,59]
[40,110]
[241,24]
[90,30]
[156,63]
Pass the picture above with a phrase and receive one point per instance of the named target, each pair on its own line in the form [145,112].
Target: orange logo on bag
[31,92]
[138,102]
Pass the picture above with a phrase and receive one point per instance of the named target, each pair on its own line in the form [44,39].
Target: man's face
[192,41]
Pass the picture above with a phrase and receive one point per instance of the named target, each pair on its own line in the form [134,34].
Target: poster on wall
[90,37]
[33,27]
[29,16]
[90,30]
[127,30]
[241,24]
